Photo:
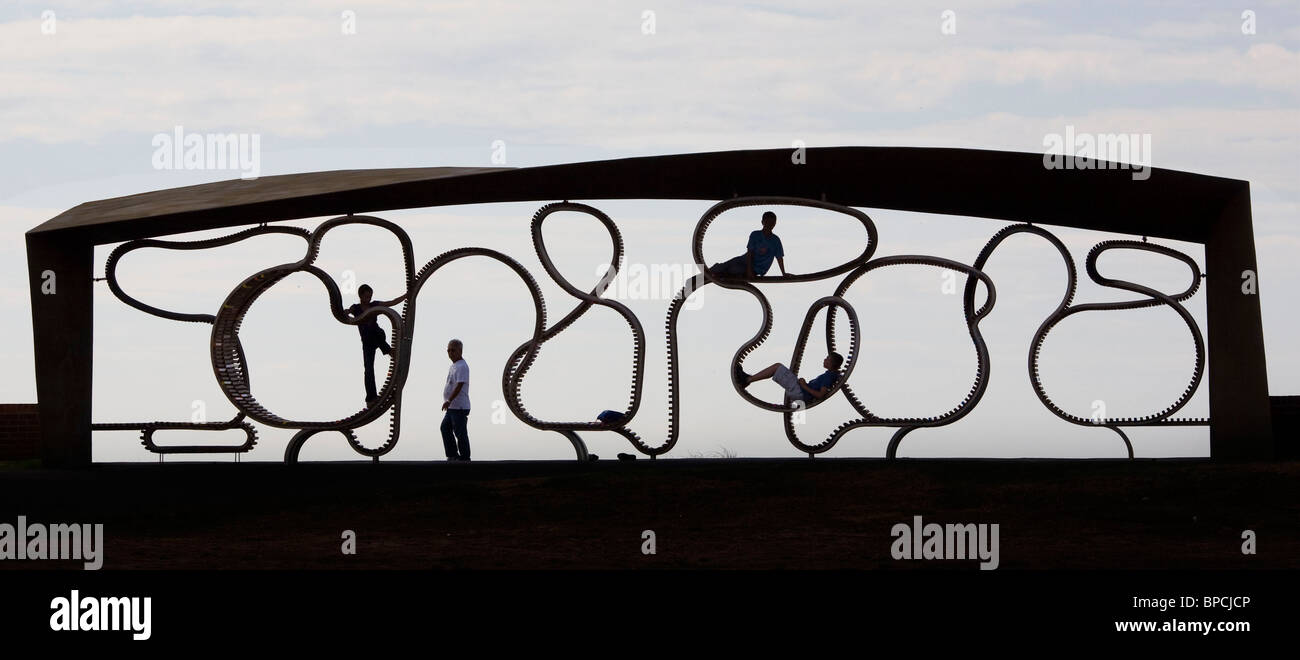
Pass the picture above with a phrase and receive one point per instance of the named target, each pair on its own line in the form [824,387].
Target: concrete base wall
[20,431]
[1286,425]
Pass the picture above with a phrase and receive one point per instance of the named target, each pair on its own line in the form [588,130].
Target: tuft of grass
[722,452]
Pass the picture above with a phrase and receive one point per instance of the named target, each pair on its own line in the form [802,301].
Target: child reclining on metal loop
[797,389]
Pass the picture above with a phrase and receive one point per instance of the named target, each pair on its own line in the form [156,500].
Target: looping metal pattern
[859,266]
[522,359]
[231,368]
[907,424]
[706,277]
[232,372]
[1153,298]
[147,429]
[404,330]
[110,266]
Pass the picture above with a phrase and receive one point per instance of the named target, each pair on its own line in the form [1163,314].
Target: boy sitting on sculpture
[763,247]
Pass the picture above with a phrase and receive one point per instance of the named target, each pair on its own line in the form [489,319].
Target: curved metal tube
[232,372]
[517,366]
[907,424]
[148,429]
[1065,309]
[705,277]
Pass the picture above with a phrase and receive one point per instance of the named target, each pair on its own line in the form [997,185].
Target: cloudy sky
[342,85]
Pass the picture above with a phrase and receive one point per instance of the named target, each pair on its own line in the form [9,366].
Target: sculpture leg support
[1124,437]
[300,438]
[892,452]
[1240,418]
[61,279]
[579,447]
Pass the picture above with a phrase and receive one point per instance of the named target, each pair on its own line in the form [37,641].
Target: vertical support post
[60,275]
[1240,419]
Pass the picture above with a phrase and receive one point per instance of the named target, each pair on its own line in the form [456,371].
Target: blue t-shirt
[825,380]
[765,249]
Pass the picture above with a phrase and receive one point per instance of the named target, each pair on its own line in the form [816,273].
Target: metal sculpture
[233,372]
[523,357]
[1212,212]
[147,429]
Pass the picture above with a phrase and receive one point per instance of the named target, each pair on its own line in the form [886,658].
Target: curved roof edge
[1004,185]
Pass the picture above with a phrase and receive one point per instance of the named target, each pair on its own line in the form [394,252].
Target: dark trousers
[368,348]
[454,423]
[733,267]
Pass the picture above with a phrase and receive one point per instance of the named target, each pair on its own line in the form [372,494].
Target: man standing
[763,247]
[455,396]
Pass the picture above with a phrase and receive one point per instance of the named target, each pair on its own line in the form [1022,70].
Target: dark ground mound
[711,513]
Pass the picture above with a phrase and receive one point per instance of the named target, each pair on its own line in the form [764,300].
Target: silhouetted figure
[455,396]
[372,336]
[762,248]
[796,388]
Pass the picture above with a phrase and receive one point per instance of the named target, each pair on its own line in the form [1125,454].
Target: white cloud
[549,73]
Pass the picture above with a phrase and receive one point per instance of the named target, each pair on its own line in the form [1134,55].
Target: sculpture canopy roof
[1003,185]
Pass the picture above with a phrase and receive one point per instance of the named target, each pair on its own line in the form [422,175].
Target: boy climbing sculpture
[763,247]
[372,336]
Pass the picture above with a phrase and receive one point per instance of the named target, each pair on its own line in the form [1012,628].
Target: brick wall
[20,431]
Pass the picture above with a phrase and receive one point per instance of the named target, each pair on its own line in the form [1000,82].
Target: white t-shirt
[458,373]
